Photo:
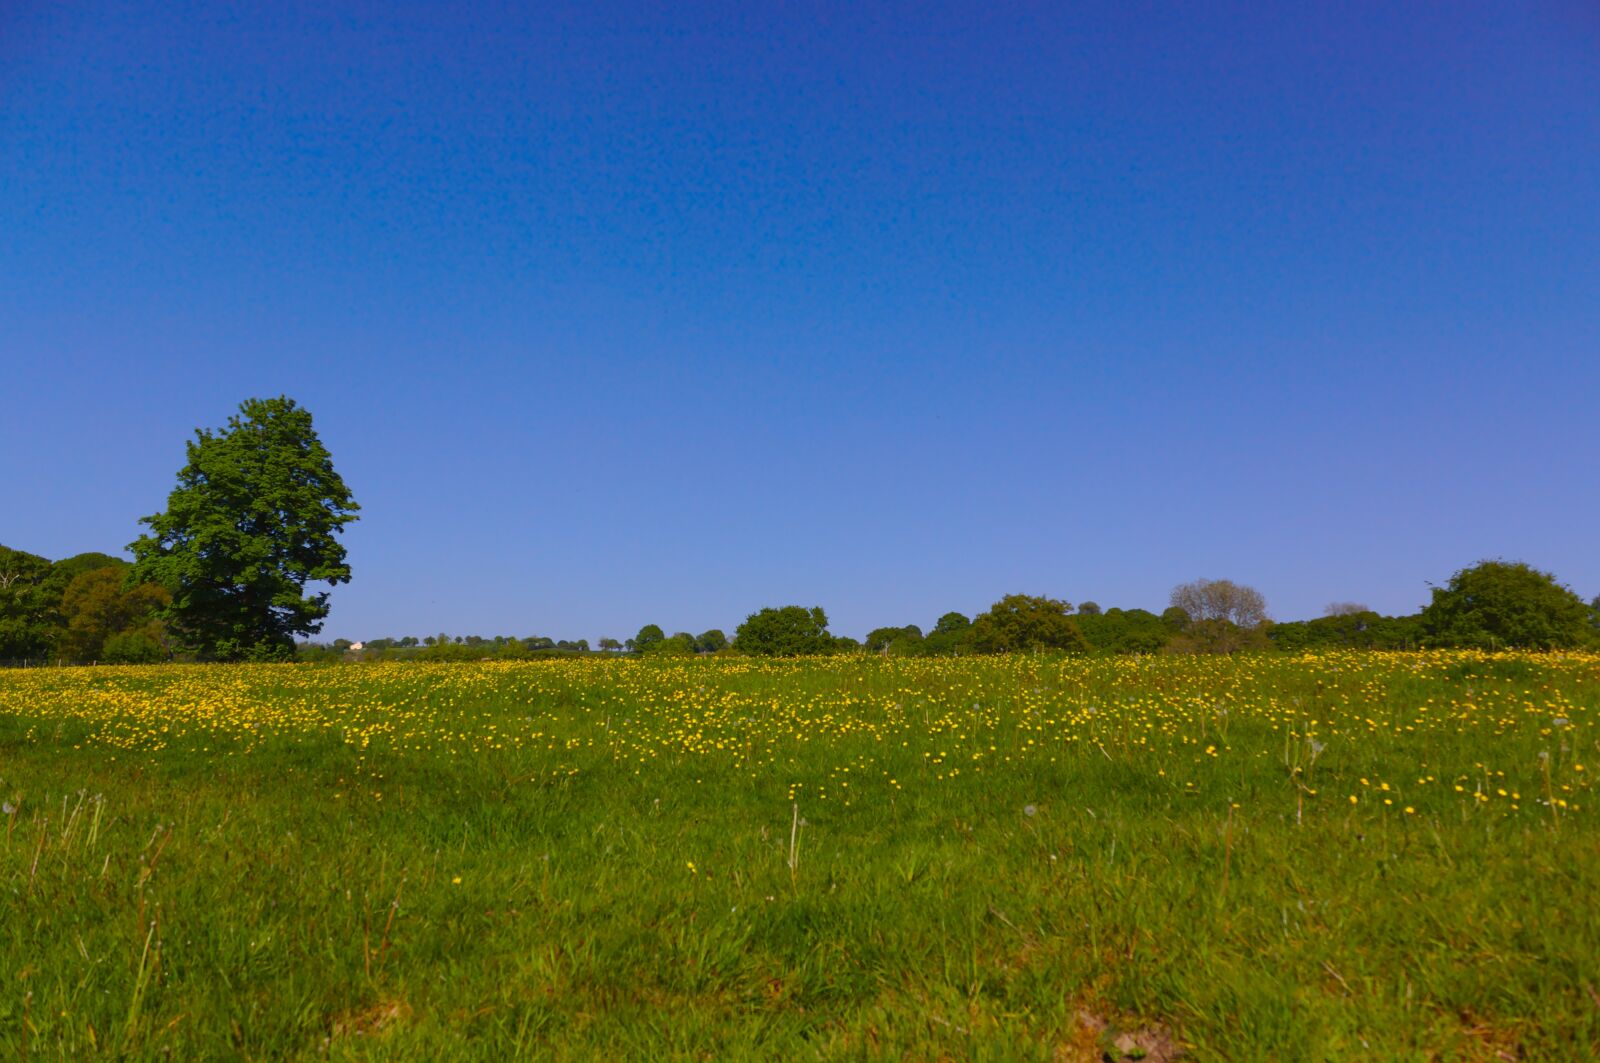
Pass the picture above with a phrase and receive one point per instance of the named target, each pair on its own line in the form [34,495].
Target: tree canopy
[712,641]
[27,607]
[790,631]
[1506,604]
[1023,622]
[253,519]
[79,609]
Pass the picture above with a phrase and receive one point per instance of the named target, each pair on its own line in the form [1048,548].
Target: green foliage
[790,631]
[133,647]
[878,640]
[910,643]
[28,616]
[713,641]
[949,636]
[1501,604]
[1216,635]
[681,644]
[1123,630]
[1025,623]
[100,609]
[69,568]
[444,648]
[253,519]
[1364,630]
[646,639]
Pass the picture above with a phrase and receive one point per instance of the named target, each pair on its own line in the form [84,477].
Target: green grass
[997,859]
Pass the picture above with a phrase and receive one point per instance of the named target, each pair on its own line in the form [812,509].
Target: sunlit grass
[1364,855]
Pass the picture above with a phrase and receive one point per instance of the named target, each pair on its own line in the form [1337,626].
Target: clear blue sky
[617,314]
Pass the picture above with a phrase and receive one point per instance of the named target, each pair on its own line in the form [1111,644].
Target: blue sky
[618,314]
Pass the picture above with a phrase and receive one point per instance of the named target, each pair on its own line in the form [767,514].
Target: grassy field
[1376,856]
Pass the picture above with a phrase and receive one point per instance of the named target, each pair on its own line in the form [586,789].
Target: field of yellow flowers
[1261,857]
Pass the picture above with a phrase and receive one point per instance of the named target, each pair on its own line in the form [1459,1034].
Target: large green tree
[1026,623]
[254,518]
[792,631]
[1505,604]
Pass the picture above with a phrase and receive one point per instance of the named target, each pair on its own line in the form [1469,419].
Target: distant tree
[949,636]
[1223,617]
[28,606]
[1501,604]
[679,644]
[879,639]
[98,605]
[647,637]
[713,641]
[1345,609]
[253,519]
[63,572]
[909,643]
[1089,609]
[1025,623]
[512,650]
[1220,599]
[1174,619]
[610,645]
[1123,631]
[1594,614]
[1219,636]
[791,631]
[1364,630]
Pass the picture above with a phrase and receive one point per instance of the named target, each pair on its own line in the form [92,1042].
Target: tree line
[93,607]
[221,575]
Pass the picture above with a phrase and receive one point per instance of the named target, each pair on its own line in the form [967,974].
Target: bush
[133,647]
[1506,605]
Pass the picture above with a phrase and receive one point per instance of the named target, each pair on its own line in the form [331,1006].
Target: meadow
[1374,855]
